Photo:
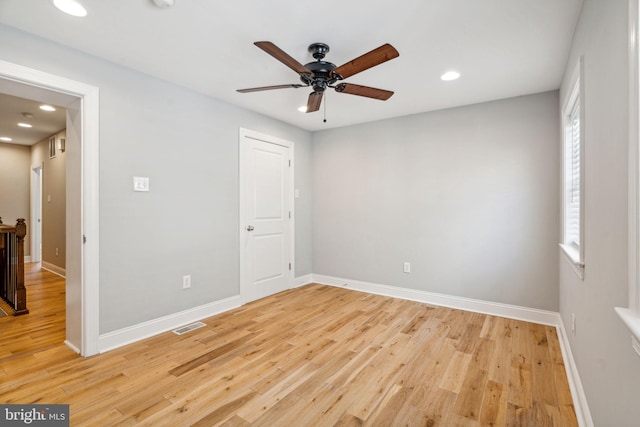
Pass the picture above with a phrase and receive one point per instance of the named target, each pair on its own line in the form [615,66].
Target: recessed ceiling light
[25,125]
[70,7]
[5,138]
[303,109]
[163,3]
[450,75]
[47,108]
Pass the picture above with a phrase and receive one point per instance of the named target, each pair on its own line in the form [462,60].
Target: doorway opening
[82,172]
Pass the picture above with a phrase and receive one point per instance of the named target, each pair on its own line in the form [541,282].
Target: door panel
[269,257]
[269,190]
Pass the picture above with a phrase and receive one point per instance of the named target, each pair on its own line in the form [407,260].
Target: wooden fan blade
[313,104]
[283,57]
[370,59]
[258,89]
[369,92]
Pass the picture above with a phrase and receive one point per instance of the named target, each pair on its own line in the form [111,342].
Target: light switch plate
[406,267]
[140,183]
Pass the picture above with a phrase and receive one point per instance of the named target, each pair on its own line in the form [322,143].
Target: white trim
[478,306]
[572,257]
[131,334]
[71,346]
[580,404]
[634,158]
[90,263]
[27,259]
[242,243]
[635,344]
[631,320]
[60,271]
[246,133]
[91,220]
[631,315]
[302,280]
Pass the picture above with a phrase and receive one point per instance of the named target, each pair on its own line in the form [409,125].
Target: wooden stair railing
[12,288]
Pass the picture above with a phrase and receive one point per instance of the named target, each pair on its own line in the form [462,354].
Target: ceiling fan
[320,74]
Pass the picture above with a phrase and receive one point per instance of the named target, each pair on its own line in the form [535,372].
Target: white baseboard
[577,392]
[478,306]
[27,259]
[302,280]
[550,318]
[54,269]
[131,334]
[72,347]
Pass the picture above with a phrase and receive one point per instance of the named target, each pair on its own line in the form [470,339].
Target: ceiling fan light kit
[320,74]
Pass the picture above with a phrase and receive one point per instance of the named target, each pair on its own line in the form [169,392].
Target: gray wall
[187,144]
[15,164]
[469,196]
[54,197]
[303,209]
[608,367]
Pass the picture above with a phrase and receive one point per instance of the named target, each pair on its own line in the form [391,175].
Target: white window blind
[572,177]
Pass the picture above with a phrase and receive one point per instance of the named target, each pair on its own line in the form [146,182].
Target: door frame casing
[242,221]
[83,307]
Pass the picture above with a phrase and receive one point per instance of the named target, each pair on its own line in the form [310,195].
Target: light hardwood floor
[315,355]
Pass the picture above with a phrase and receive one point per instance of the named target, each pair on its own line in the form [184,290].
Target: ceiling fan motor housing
[321,77]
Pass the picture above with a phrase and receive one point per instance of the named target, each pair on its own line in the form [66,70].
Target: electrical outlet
[186,281]
[56,251]
[573,323]
[406,267]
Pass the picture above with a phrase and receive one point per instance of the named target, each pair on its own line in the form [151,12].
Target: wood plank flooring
[316,355]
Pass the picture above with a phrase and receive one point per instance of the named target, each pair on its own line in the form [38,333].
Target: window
[573,182]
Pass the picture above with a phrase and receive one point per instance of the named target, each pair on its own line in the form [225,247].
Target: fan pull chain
[324,120]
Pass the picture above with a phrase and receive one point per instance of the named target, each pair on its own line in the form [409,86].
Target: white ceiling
[503,48]
[45,123]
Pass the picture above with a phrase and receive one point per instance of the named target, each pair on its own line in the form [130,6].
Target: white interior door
[36,213]
[266,217]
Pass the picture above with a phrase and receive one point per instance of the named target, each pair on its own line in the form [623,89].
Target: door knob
[250,228]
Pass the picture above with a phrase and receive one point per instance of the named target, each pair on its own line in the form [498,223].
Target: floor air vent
[188,328]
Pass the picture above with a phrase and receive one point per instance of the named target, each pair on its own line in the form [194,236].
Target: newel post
[21,291]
